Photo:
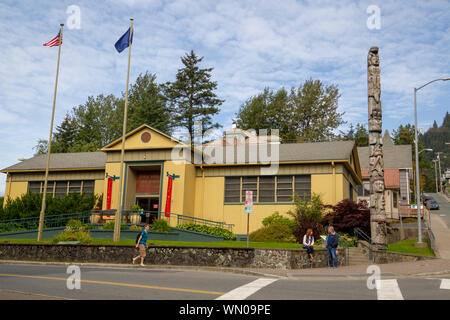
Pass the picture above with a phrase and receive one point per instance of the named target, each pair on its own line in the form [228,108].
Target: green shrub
[216,231]
[277,218]
[307,215]
[161,225]
[345,238]
[135,228]
[29,205]
[273,233]
[110,225]
[82,236]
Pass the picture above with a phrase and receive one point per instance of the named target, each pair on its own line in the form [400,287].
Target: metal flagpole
[44,192]
[118,217]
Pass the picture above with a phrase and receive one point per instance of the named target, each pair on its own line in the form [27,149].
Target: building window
[88,186]
[233,189]
[303,186]
[62,188]
[267,189]
[359,190]
[394,199]
[250,184]
[284,189]
[34,187]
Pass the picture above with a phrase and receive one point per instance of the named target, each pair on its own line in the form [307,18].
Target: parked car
[427,198]
[432,205]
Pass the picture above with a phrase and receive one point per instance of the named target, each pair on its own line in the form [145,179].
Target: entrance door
[151,208]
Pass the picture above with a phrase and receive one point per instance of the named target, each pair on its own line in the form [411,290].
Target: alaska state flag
[124,41]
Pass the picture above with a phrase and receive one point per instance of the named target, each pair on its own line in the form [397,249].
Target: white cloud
[251,44]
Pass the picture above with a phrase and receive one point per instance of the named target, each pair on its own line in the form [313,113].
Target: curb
[286,274]
[149,267]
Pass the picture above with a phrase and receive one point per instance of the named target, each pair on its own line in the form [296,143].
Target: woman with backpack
[308,242]
[142,244]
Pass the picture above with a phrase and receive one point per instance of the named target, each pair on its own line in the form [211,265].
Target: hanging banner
[169,197]
[108,194]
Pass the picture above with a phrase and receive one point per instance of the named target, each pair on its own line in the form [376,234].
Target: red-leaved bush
[347,215]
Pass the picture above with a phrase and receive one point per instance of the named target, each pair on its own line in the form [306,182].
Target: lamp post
[435,174]
[439,168]
[419,222]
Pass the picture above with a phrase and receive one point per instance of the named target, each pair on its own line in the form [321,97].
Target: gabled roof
[164,140]
[394,156]
[61,161]
[391,177]
[291,152]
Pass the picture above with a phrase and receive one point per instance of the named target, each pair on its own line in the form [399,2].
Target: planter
[135,219]
[95,218]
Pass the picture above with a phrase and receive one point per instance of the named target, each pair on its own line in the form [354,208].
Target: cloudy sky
[250,44]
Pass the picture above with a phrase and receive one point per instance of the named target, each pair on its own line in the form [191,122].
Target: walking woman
[308,242]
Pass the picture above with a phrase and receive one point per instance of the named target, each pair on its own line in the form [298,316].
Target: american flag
[54,42]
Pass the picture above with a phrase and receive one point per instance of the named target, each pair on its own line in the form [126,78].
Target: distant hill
[436,138]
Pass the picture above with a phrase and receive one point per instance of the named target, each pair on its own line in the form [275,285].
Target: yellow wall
[112,169]
[15,189]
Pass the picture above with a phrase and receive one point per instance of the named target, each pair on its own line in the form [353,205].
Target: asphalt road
[30,281]
[444,208]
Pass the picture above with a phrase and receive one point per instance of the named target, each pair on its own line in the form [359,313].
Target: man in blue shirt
[332,243]
[142,244]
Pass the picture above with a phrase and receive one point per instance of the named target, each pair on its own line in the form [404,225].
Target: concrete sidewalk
[394,270]
[441,235]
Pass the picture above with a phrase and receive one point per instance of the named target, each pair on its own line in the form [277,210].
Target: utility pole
[435,174]
[416,142]
[440,177]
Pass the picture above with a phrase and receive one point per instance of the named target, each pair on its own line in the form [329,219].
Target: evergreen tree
[147,104]
[192,96]
[65,134]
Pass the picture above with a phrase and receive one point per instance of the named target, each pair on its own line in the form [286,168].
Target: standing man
[142,244]
[332,243]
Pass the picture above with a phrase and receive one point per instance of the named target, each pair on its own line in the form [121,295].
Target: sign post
[248,209]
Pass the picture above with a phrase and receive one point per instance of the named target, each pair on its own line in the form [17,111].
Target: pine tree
[192,96]
[65,134]
[147,104]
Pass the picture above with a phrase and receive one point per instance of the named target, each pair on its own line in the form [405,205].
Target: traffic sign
[248,201]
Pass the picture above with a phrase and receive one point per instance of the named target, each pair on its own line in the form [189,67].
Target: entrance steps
[357,257]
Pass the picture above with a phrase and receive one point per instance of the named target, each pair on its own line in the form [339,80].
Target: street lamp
[419,222]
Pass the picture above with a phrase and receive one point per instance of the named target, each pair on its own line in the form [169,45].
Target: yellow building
[209,185]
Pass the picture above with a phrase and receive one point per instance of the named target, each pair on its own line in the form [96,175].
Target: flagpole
[44,192]
[118,217]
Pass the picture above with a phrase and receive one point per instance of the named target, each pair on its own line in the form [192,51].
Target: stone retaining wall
[383,256]
[165,255]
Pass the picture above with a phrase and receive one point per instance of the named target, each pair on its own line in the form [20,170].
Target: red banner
[108,194]
[169,197]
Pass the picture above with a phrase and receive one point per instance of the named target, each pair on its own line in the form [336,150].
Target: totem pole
[376,164]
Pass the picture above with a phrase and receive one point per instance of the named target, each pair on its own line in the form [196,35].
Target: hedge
[216,231]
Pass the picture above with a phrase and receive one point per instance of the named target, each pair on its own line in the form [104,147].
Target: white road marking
[445,284]
[246,290]
[388,290]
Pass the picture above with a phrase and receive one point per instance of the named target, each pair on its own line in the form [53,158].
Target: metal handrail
[50,221]
[180,218]
[362,235]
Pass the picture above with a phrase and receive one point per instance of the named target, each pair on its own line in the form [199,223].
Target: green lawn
[236,244]
[407,246]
